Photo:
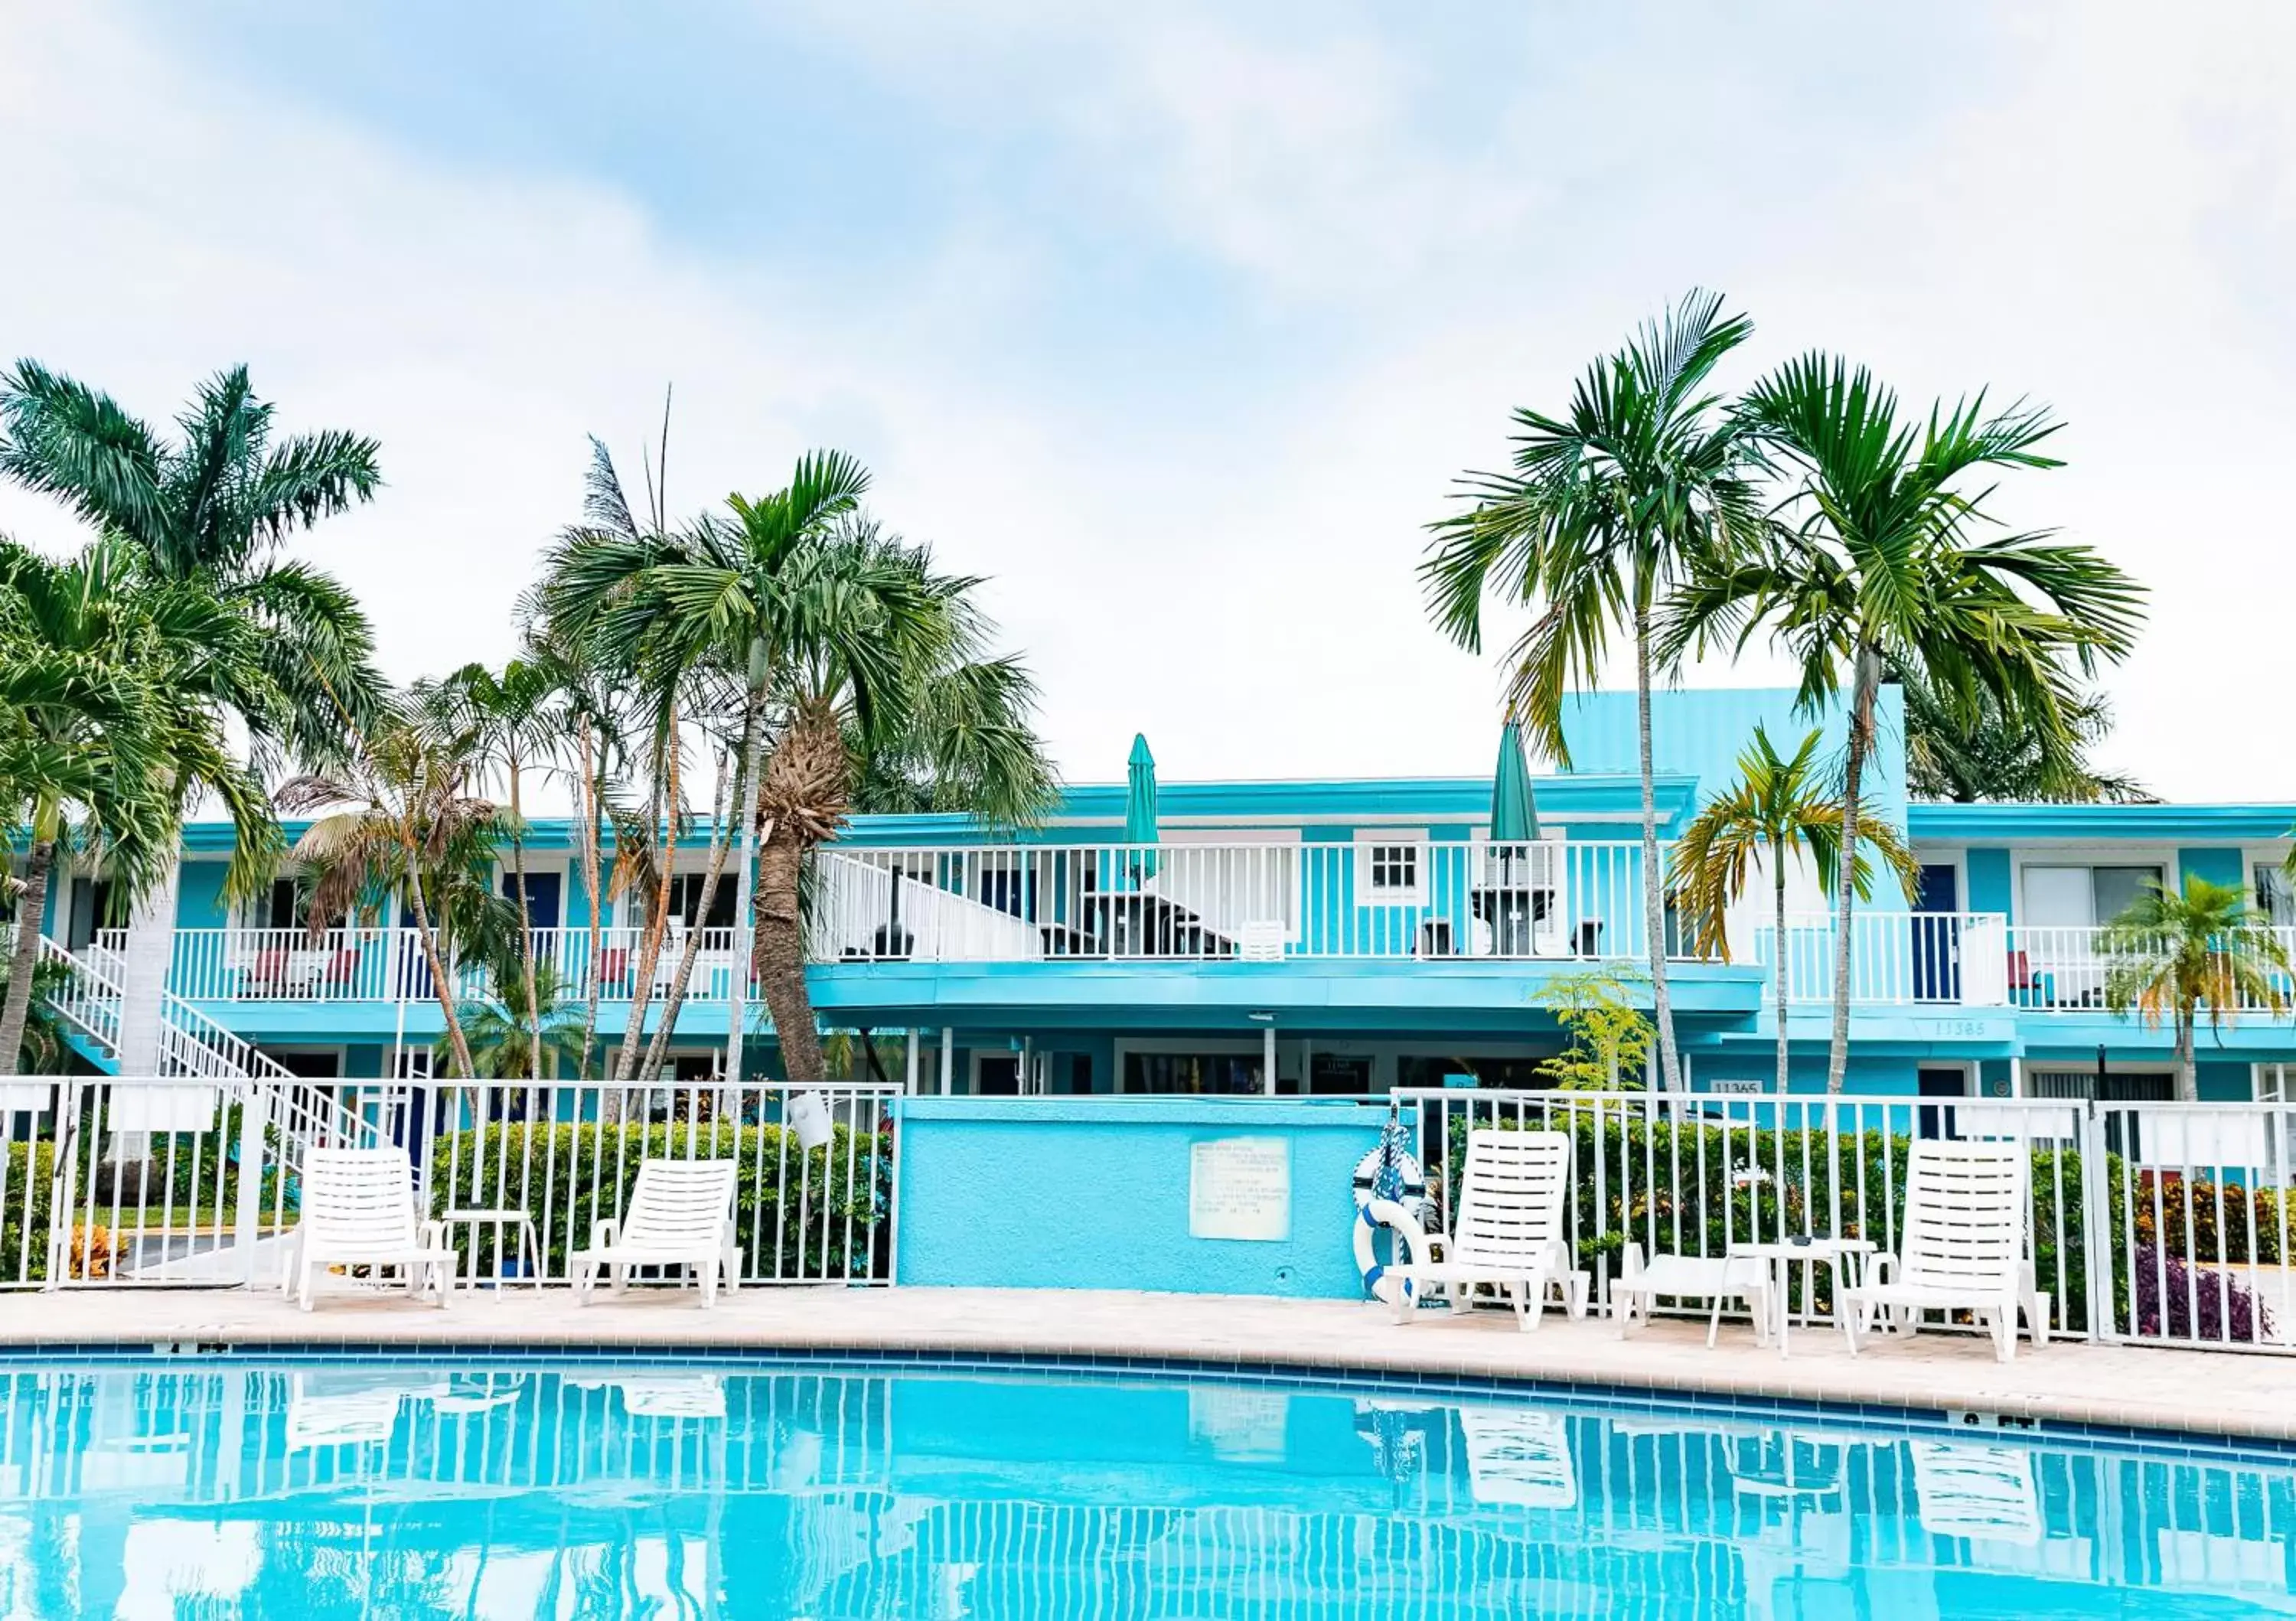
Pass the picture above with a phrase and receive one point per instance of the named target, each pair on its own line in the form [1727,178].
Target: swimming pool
[233,1486]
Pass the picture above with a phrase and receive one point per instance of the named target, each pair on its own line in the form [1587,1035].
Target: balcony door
[1936,940]
[545,895]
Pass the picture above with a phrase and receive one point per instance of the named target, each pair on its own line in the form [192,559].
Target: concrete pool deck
[2218,1393]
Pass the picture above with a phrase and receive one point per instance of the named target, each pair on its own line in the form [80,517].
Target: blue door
[1937,935]
[543,892]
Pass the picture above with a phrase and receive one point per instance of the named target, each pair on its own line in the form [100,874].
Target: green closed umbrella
[1511,909]
[1515,815]
[1140,802]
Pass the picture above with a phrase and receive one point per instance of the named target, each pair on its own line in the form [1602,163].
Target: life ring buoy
[1378,1281]
[1366,1177]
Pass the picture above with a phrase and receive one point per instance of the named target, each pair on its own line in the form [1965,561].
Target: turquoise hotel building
[1313,937]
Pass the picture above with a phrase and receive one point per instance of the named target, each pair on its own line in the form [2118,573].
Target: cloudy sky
[1177,321]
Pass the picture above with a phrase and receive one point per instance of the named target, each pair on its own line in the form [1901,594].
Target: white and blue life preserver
[1401,1217]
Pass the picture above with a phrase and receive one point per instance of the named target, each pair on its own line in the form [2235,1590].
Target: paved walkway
[2214,1393]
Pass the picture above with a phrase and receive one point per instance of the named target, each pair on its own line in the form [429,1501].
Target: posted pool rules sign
[1240,1188]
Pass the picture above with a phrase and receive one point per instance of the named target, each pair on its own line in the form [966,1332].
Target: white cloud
[2098,216]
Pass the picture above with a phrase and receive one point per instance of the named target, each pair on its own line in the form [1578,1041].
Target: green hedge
[27,1192]
[827,1209]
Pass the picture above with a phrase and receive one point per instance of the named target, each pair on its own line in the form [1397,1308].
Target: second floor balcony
[1550,905]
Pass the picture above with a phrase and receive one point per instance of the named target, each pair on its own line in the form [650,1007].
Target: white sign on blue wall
[1240,1188]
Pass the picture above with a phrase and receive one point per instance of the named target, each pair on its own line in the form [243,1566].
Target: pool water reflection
[221,1487]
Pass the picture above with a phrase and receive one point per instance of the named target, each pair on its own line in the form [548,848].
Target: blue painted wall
[2218,865]
[1991,888]
[1040,1193]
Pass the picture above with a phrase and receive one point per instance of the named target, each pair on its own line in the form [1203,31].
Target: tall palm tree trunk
[23,962]
[778,951]
[666,804]
[745,891]
[1653,878]
[720,841]
[1778,965]
[429,941]
[2188,1073]
[592,807]
[1862,689]
[525,918]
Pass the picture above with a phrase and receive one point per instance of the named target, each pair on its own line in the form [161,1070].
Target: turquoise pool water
[223,1487]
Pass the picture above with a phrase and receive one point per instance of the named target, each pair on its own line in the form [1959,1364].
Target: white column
[144,975]
[909,1081]
[947,1059]
[1268,1057]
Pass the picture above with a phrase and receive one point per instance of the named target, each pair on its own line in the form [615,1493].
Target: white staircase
[194,1046]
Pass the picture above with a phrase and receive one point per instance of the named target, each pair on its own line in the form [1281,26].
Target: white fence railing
[2153,1224]
[1411,898]
[2067,969]
[1954,958]
[185,1179]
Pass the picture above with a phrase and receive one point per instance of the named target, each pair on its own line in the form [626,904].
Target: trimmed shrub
[2179,1301]
[820,1215]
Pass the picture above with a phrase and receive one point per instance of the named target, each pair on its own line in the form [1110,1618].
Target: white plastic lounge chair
[1506,1234]
[1983,1493]
[1634,1292]
[1963,1247]
[358,1211]
[1520,1456]
[681,1213]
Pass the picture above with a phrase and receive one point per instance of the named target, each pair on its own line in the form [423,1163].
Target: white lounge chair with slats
[358,1208]
[1963,1247]
[1508,1234]
[681,1213]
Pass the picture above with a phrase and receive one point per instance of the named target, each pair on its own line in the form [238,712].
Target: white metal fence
[1956,958]
[2154,1223]
[186,1181]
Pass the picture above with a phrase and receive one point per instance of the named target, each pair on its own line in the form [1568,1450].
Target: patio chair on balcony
[1963,1247]
[1508,1234]
[342,970]
[681,1213]
[358,1211]
[265,978]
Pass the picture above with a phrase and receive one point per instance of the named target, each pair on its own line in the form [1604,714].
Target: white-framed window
[2272,894]
[1390,867]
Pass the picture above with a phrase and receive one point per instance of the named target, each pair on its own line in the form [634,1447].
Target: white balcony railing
[388,964]
[1896,958]
[1410,899]
[2063,969]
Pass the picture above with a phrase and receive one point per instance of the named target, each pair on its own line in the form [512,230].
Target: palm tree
[734,598]
[504,1033]
[1777,811]
[401,825]
[44,1045]
[2169,953]
[113,687]
[587,749]
[510,719]
[1990,755]
[1607,508]
[897,666]
[214,506]
[1875,562]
